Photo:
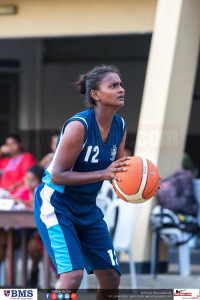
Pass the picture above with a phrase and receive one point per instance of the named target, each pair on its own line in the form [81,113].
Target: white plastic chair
[106,196]
[183,250]
[196,186]
[126,222]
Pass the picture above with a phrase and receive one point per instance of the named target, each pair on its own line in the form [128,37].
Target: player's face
[111,91]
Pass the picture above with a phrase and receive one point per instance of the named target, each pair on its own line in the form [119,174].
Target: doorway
[9,96]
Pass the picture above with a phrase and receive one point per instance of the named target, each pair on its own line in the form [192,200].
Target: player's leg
[60,239]
[108,283]
[71,280]
[99,255]
[108,279]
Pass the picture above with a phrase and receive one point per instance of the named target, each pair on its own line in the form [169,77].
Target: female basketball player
[90,149]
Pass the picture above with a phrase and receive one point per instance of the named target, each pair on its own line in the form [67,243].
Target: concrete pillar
[167,98]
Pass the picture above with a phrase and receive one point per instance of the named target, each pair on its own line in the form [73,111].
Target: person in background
[13,169]
[26,196]
[46,160]
[26,193]
[15,166]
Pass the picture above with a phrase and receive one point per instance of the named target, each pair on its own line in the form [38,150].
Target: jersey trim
[83,120]
[47,180]
[80,119]
[123,124]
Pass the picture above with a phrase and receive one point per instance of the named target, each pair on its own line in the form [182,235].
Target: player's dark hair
[37,171]
[92,79]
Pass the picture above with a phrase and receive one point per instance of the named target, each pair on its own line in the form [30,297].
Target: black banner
[94,294]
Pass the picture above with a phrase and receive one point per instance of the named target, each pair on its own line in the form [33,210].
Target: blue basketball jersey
[95,155]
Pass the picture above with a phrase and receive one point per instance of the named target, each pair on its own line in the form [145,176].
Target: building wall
[68,17]
[47,98]
[61,99]
[28,53]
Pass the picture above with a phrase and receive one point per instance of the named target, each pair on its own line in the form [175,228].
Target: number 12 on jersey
[92,152]
[113,259]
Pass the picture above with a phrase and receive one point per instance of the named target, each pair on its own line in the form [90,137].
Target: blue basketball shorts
[76,237]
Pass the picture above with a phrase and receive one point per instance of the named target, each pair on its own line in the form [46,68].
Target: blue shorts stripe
[41,226]
[60,249]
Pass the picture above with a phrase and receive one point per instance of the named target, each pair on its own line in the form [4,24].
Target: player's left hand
[116,166]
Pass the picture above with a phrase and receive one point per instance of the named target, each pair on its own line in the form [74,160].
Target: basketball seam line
[142,176]
[147,178]
[153,188]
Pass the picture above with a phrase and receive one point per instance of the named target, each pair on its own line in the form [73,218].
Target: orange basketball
[139,182]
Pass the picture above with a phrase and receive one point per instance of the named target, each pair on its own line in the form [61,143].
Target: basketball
[139,182]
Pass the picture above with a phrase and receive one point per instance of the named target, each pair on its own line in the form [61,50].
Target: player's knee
[74,278]
[111,280]
[77,276]
[114,279]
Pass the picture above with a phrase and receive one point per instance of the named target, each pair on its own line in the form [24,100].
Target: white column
[167,98]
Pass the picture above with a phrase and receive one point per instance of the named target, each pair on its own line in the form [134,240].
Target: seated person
[25,194]
[46,160]
[15,166]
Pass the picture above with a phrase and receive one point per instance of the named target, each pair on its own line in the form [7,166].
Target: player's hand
[116,166]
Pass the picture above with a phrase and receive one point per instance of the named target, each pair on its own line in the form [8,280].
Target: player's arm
[120,151]
[69,148]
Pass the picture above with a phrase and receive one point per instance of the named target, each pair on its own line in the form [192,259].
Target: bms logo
[21,293]
[6,293]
